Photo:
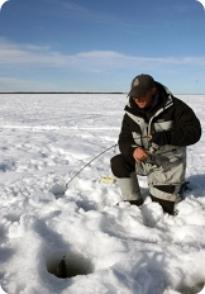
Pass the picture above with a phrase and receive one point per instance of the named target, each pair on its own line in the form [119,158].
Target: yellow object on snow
[108,180]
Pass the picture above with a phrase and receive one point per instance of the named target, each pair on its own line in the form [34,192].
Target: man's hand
[140,154]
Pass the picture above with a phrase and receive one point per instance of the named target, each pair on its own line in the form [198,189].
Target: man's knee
[120,167]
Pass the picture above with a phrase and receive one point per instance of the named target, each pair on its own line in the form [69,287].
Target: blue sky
[91,45]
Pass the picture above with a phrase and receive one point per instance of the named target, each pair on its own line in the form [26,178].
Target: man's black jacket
[169,122]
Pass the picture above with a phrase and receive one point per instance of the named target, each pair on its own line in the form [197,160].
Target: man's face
[146,100]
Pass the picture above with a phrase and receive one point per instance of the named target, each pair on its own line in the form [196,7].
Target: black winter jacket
[169,122]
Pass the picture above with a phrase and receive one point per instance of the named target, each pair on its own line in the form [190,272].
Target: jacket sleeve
[126,140]
[186,128]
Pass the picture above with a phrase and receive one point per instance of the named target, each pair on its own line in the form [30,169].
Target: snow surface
[45,140]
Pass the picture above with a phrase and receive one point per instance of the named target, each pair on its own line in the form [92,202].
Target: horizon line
[81,92]
[62,92]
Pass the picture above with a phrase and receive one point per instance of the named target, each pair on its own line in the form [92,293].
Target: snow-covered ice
[45,140]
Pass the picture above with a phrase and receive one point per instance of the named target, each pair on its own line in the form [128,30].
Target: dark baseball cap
[141,85]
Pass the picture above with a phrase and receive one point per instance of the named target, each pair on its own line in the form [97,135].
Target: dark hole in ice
[69,265]
[192,290]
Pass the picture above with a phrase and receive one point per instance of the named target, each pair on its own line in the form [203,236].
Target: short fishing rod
[100,154]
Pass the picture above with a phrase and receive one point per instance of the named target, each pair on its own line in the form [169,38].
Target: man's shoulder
[181,107]
[179,102]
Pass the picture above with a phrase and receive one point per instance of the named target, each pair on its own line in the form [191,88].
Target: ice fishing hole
[196,289]
[68,265]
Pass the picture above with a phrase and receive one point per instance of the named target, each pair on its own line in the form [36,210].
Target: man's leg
[126,179]
[164,186]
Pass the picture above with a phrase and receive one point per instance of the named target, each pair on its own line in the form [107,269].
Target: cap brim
[136,92]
